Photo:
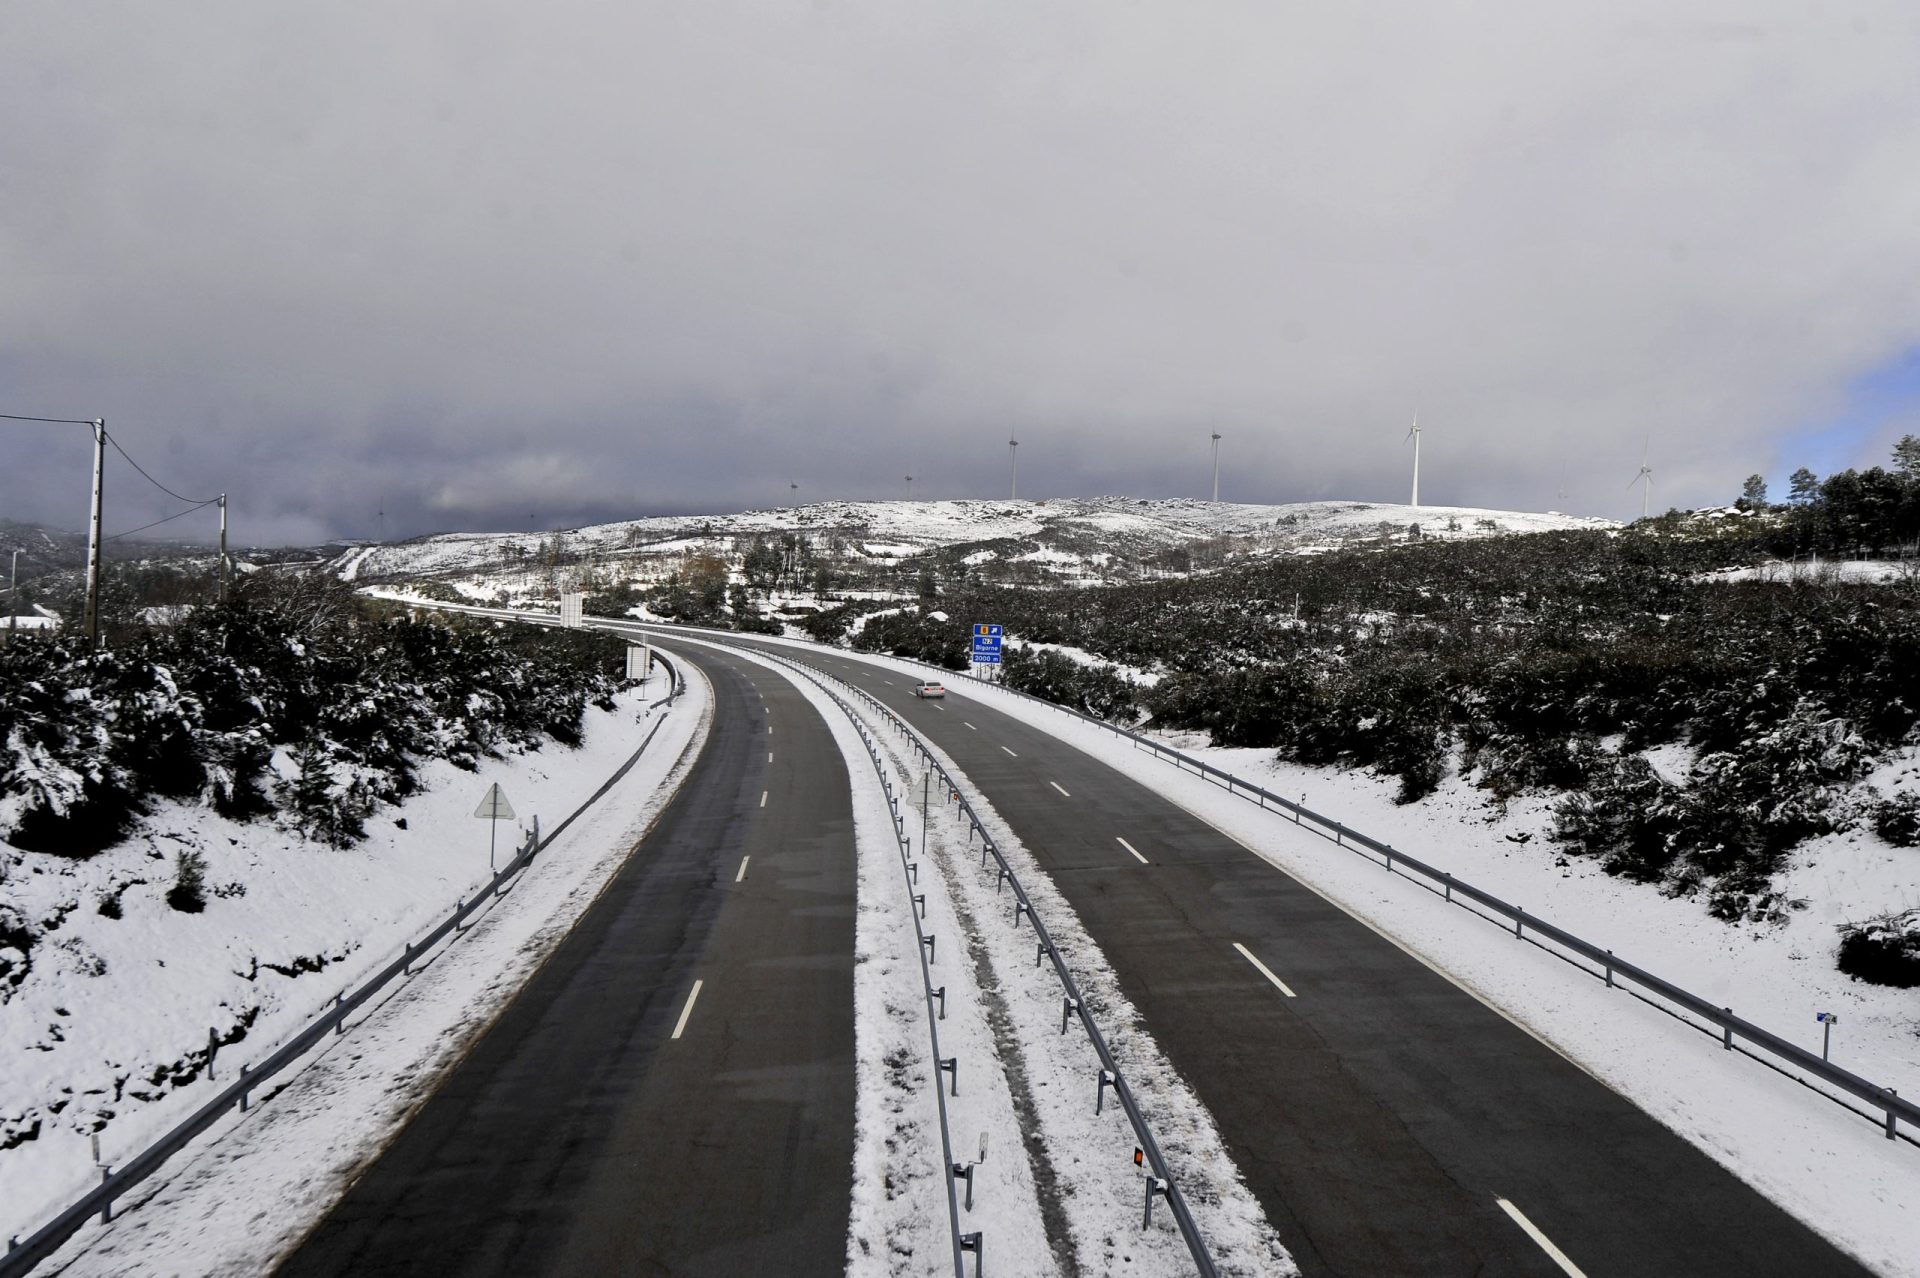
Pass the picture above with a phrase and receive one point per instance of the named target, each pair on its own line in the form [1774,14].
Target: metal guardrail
[962,1243]
[23,1254]
[1160,1181]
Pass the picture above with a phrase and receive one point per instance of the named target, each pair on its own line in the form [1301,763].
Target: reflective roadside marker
[1139,1156]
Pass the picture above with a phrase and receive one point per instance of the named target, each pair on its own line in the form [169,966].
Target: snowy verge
[254,1185]
[1079,1163]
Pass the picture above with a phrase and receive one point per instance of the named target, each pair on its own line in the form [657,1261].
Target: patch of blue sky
[1877,403]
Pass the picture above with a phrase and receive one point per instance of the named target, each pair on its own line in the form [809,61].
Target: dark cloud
[470,263]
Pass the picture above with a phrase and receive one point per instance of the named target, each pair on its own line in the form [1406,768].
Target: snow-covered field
[1072,535]
[1831,1168]
[109,1030]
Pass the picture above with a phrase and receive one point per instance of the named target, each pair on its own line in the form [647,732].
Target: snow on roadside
[1079,1163]
[1829,1168]
[256,1183]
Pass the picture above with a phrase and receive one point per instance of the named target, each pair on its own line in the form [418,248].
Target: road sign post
[493,809]
[986,644]
[1827,1021]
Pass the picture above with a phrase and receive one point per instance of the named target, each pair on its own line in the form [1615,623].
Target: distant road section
[672,1093]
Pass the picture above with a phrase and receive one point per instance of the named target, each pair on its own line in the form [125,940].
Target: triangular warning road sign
[494,806]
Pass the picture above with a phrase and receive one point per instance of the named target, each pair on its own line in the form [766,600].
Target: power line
[62,421]
[156,483]
[169,519]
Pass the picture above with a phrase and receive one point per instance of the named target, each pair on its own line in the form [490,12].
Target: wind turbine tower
[1414,435]
[909,487]
[1216,468]
[1645,476]
[1013,467]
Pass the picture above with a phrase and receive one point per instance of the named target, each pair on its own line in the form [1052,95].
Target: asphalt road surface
[615,1121]
[1389,1123]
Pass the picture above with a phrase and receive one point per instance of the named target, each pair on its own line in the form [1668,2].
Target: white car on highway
[927,691]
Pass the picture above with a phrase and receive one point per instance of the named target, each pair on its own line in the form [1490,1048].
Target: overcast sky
[481,264]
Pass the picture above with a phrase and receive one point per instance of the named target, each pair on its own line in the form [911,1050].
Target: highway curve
[1380,1113]
[609,1122]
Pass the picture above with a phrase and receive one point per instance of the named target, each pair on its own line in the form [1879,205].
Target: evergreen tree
[1753,494]
[1804,486]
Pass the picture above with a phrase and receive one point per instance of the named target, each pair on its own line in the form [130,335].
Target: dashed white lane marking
[970,725]
[1264,970]
[1010,752]
[937,706]
[763,798]
[1546,1244]
[687,1011]
[769,756]
[769,729]
[1063,793]
[888,682]
[1136,851]
[743,869]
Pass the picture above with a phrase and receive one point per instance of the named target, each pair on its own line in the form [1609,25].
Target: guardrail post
[965,1170]
[999,878]
[106,1208]
[1019,908]
[213,1045]
[1727,1041]
[1154,1186]
[1067,1005]
[928,942]
[1041,952]
[1609,969]
[1448,894]
[1519,917]
[244,1071]
[951,1065]
[1389,860]
[971,1242]
[920,903]
[1100,1092]
[913,872]
[1891,1118]
[941,994]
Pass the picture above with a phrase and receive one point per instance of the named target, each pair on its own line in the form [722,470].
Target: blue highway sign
[986,644]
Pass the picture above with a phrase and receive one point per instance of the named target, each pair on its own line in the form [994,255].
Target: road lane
[672,1092]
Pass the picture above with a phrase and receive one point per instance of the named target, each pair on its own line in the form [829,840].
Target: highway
[1388,1122]
[672,1092]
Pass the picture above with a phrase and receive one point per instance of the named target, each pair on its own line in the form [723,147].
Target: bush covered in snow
[1897,819]
[295,699]
[1883,951]
[1100,691]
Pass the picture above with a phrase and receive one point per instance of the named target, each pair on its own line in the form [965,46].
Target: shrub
[1897,819]
[1883,951]
[189,891]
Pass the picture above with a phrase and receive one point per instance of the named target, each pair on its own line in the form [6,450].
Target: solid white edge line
[1063,792]
[1136,851]
[687,1011]
[743,869]
[1010,752]
[1546,1244]
[1265,971]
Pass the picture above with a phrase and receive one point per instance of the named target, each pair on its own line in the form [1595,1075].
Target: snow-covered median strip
[255,1185]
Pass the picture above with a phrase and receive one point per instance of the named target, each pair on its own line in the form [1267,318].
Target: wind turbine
[1013,466]
[1646,475]
[909,487]
[1216,468]
[793,491]
[1414,435]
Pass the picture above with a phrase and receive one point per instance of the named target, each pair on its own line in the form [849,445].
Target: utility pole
[1013,467]
[1216,468]
[99,425]
[13,592]
[225,572]
[1414,435]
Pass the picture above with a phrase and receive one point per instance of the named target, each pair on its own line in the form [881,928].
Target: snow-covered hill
[1069,539]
